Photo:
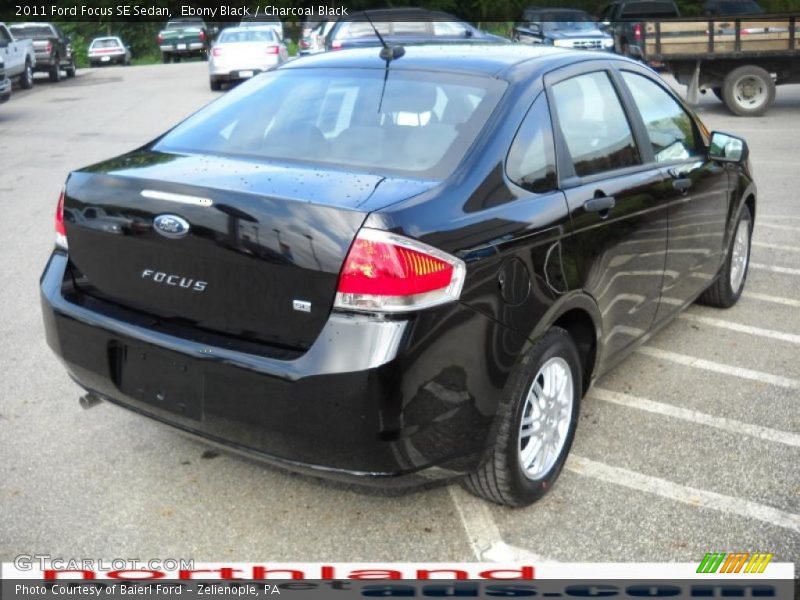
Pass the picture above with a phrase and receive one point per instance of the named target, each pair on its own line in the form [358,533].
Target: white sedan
[108,50]
[242,52]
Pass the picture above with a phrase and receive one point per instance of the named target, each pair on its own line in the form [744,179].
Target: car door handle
[599,204]
[682,185]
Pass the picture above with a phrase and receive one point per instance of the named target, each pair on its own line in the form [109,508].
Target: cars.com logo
[734,562]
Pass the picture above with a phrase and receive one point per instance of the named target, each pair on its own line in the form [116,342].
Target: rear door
[698,209]
[617,200]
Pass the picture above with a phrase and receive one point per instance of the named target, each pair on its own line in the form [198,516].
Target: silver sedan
[242,52]
[108,50]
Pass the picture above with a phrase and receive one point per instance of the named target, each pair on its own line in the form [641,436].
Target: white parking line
[773,299]
[740,327]
[775,226]
[482,532]
[708,365]
[777,247]
[774,269]
[694,416]
[683,493]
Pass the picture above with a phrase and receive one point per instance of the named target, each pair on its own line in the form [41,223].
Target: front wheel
[55,70]
[728,286]
[70,69]
[535,424]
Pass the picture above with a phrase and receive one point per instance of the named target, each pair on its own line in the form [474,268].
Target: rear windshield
[737,8]
[247,35]
[105,44]
[650,9]
[31,31]
[185,24]
[417,124]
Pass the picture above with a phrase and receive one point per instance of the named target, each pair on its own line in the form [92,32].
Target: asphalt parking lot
[691,446]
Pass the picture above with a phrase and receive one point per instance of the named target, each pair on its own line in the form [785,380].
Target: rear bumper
[183,48]
[385,402]
[101,58]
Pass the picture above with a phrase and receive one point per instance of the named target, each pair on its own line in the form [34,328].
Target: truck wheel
[70,69]
[728,286]
[55,70]
[26,79]
[748,91]
[165,57]
[535,424]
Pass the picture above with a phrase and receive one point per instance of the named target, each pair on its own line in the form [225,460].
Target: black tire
[500,478]
[740,83]
[165,57]
[26,79]
[55,71]
[215,84]
[70,69]
[718,93]
[721,294]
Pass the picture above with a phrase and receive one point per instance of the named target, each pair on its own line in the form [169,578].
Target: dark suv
[382,273]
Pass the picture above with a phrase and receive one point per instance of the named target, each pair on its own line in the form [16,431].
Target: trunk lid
[264,242]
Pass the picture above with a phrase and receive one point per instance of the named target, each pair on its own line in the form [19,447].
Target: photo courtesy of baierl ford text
[386,298]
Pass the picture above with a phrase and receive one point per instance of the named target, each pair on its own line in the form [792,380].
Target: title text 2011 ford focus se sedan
[392,271]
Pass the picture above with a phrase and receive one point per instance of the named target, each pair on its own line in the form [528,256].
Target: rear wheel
[55,70]
[165,57]
[728,286]
[536,424]
[70,69]
[748,91]
[26,79]
[216,84]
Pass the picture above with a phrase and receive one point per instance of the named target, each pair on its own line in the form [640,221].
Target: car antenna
[387,53]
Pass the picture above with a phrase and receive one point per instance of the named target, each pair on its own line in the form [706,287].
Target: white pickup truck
[19,57]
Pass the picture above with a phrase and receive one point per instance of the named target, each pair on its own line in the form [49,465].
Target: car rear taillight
[305,44]
[61,232]
[336,45]
[271,50]
[217,51]
[637,31]
[385,272]
[160,39]
[48,48]
[202,36]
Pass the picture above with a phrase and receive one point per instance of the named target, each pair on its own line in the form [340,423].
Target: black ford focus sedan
[394,271]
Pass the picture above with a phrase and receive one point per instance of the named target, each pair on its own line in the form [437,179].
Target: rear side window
[531,161]
[669,127]
[594,124]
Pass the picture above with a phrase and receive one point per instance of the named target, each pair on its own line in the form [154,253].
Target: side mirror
[728,148]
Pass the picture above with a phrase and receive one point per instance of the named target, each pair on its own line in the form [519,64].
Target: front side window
[668,125]
[531,161]
[413,123]
[594,124]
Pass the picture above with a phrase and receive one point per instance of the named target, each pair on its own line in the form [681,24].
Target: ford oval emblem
[171,226]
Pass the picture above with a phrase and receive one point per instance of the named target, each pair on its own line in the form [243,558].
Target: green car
[184,37]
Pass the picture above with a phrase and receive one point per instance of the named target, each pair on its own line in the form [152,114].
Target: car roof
[487,59]
[269,28]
